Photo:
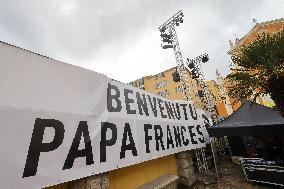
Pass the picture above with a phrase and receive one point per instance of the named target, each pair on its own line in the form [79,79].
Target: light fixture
[167,46]
[205,58]
[191,65]
[194,73]
[176,76]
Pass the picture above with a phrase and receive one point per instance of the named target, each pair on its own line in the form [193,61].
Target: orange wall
[221,109]
[235,105]
[270,28]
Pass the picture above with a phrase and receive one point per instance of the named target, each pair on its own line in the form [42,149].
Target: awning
[250,119]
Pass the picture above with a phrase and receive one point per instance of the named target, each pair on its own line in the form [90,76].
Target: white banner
[60,122]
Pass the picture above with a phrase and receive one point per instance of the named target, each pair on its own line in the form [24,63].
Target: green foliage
[256,65]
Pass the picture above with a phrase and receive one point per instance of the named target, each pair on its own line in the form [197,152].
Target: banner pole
[216,168]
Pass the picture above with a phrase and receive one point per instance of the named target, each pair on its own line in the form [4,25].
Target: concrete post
[100,181]
[185,168]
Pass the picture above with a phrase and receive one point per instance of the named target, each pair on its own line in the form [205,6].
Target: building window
[141,83]
[200,93]
[138,83]
[164,93]
[160,84]
[179,89]
[261,33]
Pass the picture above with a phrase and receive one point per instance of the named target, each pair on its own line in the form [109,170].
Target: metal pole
[215,164]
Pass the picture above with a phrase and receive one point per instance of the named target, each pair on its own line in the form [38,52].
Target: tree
[258,69]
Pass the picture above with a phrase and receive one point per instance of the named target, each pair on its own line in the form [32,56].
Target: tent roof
[250,119]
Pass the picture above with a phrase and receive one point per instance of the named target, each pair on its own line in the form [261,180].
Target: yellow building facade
[162,84]
[258,30]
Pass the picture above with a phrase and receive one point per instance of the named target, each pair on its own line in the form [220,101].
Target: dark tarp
[250,119]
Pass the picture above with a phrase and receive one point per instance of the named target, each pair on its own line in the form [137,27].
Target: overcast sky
[120,38]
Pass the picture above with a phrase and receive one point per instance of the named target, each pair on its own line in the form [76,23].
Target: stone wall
[185,168]
[100,181]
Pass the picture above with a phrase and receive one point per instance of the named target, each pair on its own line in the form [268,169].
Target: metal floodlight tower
[195,67]
[170,40]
